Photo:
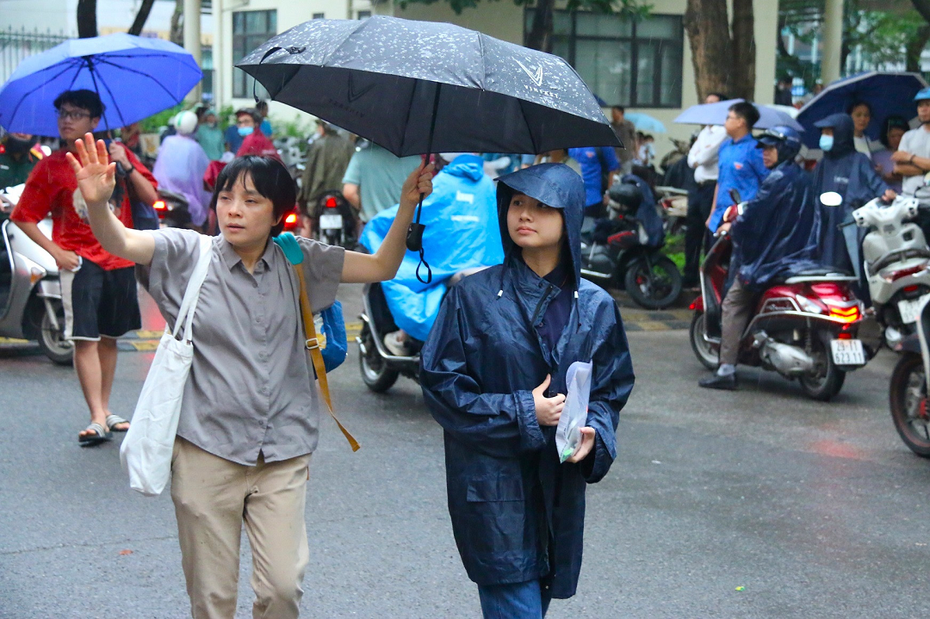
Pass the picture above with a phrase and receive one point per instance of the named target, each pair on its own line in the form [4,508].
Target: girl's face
[894,138]
[533,225]
[245,216]
[861,118]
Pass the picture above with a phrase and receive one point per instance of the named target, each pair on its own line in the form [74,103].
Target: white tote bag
[147,448]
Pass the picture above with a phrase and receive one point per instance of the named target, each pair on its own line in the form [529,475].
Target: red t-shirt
[50,189]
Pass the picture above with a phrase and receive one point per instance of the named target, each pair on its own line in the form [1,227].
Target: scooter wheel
[828,379]
[908,399]
[655,285]
[376,374]
[707,353]
[51,340]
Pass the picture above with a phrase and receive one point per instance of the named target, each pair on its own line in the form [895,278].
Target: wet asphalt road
[751,504]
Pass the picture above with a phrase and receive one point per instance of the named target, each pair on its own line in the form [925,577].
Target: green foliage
[225,116]
[153,123]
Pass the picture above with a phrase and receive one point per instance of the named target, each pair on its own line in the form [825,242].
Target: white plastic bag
[146,450]
[575,414]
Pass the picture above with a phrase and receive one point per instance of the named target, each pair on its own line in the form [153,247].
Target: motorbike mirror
[831,198]
[927,178]
[734,195]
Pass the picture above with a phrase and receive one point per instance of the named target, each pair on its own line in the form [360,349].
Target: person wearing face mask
[254,142]
[210,136]
[19,153]
[851,174]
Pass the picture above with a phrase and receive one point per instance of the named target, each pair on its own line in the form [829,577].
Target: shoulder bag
[146,450]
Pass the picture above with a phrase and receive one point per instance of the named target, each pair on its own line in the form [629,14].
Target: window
[250,29]
[363,14]
[319,16]
[206,63]
[633,63]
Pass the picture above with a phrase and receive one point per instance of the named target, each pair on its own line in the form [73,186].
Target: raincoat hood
[843,131]
[555,185]
[466,166]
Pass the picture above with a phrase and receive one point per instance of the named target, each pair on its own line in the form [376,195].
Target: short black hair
[855,104]
[270,178]
[719,95]
[747,111]
[892,122]
[619,108]
[84,99]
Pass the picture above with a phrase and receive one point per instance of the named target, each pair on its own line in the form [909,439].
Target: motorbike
[173,209]
[616,252]
[334,220]
[674,203]
[896,261]
[379,367]
[804,327]
[30,289]
[909,386]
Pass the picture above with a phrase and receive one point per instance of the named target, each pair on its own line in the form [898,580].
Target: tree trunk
[706,22]
[177,23]
[915,47]
[744,51]
[139,22]
[87,18]
[540,35]
[922,7]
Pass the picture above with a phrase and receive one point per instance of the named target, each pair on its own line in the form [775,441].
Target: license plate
[331,222]
[910,310]
[848,352]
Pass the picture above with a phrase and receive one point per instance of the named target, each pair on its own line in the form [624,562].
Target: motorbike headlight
[807,305]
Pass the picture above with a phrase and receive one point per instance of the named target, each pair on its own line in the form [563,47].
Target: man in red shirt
[256,143]
[98,289]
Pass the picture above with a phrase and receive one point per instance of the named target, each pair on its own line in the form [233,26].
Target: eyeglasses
[72,114]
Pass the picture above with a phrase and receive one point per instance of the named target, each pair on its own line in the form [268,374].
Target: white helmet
[185,122]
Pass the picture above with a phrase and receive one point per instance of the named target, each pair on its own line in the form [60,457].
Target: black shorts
[99,303]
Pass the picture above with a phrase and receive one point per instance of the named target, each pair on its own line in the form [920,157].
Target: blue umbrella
[716,114]
[134,76]
[645,122]
[887,93]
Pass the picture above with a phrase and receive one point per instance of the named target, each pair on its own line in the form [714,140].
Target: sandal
[100,435]
[115,420]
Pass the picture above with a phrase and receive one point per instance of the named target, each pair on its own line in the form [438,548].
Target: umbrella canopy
[418,87]
[716,114]
[134,76]
[645,122]
[887,93]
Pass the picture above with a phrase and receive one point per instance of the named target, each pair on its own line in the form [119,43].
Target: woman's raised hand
[419,182]
[96,176]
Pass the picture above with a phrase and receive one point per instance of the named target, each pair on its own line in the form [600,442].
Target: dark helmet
[783,138]
[627,195]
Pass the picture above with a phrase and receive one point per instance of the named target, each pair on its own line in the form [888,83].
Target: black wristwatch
[131,169]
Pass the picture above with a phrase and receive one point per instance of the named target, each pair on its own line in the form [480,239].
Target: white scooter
[30,289]
[896,261]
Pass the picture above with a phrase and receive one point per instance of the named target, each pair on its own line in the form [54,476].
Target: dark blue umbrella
[428,87]
[887,93]
[134,76]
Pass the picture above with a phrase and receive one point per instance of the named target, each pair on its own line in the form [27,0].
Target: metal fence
[16,45]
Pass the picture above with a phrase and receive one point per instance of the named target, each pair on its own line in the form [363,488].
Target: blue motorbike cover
[461,233]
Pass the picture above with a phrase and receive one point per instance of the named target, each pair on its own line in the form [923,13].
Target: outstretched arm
[360,268]
[96,180]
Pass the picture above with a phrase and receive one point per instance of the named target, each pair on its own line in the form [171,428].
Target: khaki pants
[737,310]
[213,498]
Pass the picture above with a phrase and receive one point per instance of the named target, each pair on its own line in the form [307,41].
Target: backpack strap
[316,356]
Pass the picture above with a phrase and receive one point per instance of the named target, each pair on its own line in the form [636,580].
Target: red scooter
[804,327]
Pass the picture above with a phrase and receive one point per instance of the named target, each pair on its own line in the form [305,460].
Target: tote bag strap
[192,293]
[313,347]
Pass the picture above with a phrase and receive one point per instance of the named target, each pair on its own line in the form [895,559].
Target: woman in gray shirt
[249,416]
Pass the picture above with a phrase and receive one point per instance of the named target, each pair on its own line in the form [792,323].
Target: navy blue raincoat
[852,175]
[647,213]
[773,236]
[517,514]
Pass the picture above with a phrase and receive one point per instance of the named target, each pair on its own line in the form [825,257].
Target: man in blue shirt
[740,162]
[593,161]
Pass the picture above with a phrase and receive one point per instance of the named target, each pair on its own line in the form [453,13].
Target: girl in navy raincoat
[493,375]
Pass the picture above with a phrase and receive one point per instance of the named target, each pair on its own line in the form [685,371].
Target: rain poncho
[647,213]
[179,168]
[461,233]
[517,514]
[772,238]
[852,175]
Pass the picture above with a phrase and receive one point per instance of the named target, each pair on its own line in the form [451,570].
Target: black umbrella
[422,87]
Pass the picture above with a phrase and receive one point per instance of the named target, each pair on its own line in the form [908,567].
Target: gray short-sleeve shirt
[249,389]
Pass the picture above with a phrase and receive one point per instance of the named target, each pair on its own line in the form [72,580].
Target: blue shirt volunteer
[741,168]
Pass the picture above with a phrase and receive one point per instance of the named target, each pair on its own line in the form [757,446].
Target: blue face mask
[244,131]
[826,143]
